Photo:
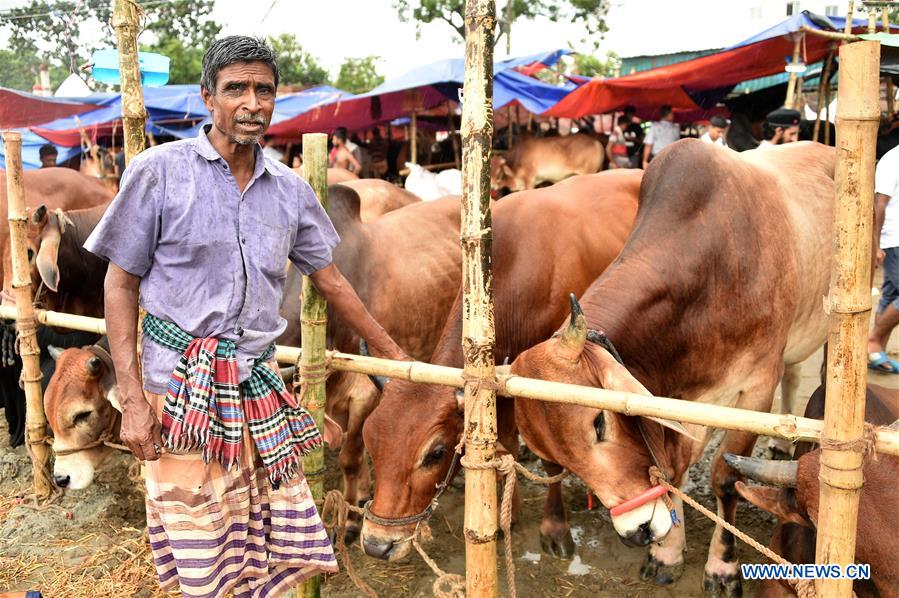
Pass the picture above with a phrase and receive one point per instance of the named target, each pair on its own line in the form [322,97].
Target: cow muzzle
[643,525]
[393,545]
[75,472]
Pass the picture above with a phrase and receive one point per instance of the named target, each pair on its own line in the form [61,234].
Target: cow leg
[353,464]
[780,448]
[555,533]
[722,569]
[665,561]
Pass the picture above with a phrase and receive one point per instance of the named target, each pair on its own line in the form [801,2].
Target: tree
[20,71]
[65,32]
[591,13]
[298,67]
[358,75]
[587,65]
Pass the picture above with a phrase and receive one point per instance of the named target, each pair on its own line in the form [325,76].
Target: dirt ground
[91,543]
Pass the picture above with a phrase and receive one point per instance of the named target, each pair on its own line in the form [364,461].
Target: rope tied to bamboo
[866,445]
[805,588]
[311,374]
[334,514]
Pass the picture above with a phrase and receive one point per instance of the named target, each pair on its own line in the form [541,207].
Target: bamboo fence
[313,324]
[792,94]
[478,335]
[26,327]
[125,20]
[822,82]
[843,443]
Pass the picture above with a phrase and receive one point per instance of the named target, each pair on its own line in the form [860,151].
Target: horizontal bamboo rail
[846,37]
[791,427]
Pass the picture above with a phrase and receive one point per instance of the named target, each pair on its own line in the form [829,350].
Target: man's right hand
[141,431]
[880,256]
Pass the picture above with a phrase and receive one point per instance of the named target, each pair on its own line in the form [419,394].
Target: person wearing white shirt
[886,252]
[716,131]
[662,133]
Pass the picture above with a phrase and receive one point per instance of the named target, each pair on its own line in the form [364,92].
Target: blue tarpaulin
[535,95]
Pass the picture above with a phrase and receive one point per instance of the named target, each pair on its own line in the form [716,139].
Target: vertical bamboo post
[125,22]
[452,131]
[851,11]
[841,476]
[891,90]
[825,73]
[790,101]
[872,20]
[827,112]
[509,132]
[413,139]
[478,336]
[26,325]
[313,329]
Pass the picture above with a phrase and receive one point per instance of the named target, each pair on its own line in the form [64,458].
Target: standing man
[344,153]
[662,133]
[886,252]
[48,155]
[781,126]
[716,131]
[203,228]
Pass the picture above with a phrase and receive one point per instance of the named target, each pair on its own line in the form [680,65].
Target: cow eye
[599,424]
[81,418]
[434,457]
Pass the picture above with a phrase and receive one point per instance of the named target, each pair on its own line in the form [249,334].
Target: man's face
[48,161]
[790,134]
[716,133]
[243,102]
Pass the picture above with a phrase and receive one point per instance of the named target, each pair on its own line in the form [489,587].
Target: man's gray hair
[232,49]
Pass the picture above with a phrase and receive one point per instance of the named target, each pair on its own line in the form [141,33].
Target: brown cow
[718,287]
[536,160]
[379,197]
[335,175]
[561,237]
[795,501]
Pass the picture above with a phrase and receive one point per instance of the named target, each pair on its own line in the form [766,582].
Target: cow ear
[54,352]
[39,216]
[780,502]
[507,171]
[333,433]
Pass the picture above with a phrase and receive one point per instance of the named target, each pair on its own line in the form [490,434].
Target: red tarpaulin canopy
[19,109]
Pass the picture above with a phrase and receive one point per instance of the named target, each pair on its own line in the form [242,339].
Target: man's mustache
[251,120]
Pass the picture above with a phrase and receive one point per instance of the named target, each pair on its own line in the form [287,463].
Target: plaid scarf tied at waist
[203,406]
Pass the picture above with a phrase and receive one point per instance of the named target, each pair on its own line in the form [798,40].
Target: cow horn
[776,473]
[55,352]
[39,214]
[379,381]
[673,425]
[894,425]
[575,336]
[93,365]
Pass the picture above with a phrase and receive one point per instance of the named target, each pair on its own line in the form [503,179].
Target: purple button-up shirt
[211,259]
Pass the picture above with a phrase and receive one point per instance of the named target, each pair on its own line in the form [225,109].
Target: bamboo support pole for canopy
[843,37]
[478,335]
[413,138]
[822,82]
[509,132]
[125,22]
[842,457]
[790,101]
[451,121]
[849,14]
[313,330]
[790,427]
[891,89]
[872,20]
[26,325]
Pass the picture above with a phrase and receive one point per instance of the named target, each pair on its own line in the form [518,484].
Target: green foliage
[591,13]
[587,65]
[64,32]
[358,75]
[20,71]
[298,67]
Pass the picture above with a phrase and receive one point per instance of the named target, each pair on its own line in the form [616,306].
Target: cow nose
[641,537]
[378,549]
[62,480]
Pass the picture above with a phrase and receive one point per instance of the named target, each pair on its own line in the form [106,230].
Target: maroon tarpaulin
[19,109]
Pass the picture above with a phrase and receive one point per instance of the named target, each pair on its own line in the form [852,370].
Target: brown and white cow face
[419,453]
[605,449]
[80,407]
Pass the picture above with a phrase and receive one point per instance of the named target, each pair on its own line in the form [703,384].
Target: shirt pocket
[268,244]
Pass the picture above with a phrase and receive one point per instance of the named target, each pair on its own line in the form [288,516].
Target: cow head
[610,452]
[44,234]
[81,406]
[411,437]
[502,178]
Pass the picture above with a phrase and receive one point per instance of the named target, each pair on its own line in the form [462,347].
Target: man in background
[781,126]
[344,153]
[48,154]
[662,133]
[716,131]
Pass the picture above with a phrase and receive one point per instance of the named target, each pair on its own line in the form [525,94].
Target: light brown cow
[536,160]
[718,287]
[544,241]
[335,175]
[379,197]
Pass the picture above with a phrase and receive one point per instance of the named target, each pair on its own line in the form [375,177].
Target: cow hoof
[561,547]
[659,573]
[722,586]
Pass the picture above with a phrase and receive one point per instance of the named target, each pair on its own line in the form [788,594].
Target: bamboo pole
[827,112]
[509,131]
[790,101]
[452,132]
[843,37]
[413,138]
[26,326]
[849,15]
[872,20]
[840,477]
[822,82]
[125,22]
[891,90]
[313,327]
[790,427]
[478,335]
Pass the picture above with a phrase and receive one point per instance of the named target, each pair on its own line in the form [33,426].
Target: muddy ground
[90,543]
